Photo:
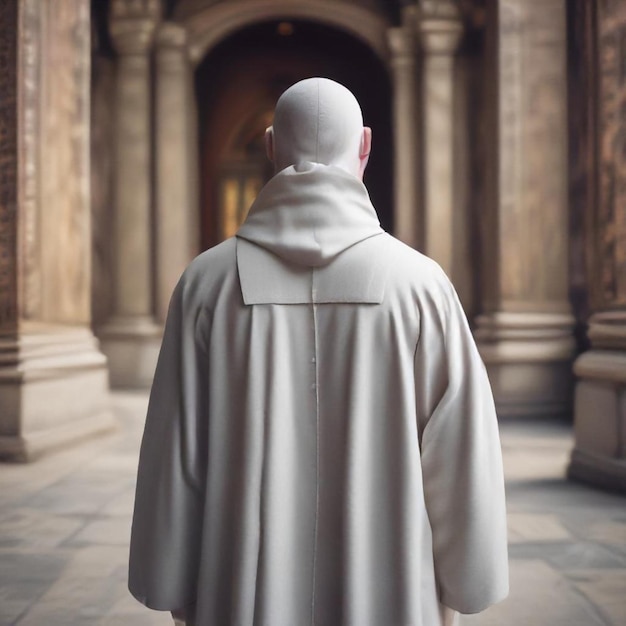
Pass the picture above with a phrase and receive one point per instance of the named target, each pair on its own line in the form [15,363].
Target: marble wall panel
[64,204]
[544,180]
[611,109]
[532,152]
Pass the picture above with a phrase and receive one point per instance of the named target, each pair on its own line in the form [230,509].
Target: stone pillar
[177,228]
[526,331]
[406,219]
[599,456]
[131,338]
[53,377]
[440,31]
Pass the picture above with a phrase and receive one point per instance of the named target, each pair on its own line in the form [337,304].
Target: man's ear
[269,143]
[365,149]
[366,142]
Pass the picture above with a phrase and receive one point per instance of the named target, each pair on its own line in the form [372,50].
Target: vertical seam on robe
[317,444]
[259,578]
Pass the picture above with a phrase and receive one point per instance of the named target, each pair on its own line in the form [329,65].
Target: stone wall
[47,349]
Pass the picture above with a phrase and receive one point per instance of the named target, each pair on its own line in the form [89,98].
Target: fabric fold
[309,213]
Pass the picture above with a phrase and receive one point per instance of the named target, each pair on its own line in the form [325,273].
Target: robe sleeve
[461,458]
[167,520]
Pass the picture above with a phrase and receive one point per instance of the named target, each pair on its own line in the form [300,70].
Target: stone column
[407,222]
[440,31]
[131,338]
[177,234]
[525,333]
[53,377]
[599,456]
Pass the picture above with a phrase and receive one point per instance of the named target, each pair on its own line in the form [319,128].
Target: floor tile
[24,578]
[37,529]
[538,596]
[110,531]
[523,527]
[606,589]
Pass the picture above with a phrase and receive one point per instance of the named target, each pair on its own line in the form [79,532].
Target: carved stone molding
[171,35]
[132,25]
[30,128]
[8,167]
[439,9]
[133,9]
[440,26]
[40,372]
[214,22]
[172,53]
[607,330]
[440,36]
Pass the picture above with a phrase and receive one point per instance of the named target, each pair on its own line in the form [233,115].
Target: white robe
[321,446]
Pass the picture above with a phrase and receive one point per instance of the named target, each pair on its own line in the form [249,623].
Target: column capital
[439,9]
[439,24]
[401,43]
[132,24]
[439,36]
[171,35]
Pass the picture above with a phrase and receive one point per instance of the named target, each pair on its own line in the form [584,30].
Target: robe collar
[308,213]
[302,220]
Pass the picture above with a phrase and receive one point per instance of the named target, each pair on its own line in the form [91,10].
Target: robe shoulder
[415,276]
[213,264]
[410,265]
[211,272]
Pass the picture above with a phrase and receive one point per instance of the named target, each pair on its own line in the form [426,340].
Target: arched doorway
[237,86]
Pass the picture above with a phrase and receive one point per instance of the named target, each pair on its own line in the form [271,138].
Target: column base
[53,391]
[599,471]
[599,456]
[529,361]
[131,346]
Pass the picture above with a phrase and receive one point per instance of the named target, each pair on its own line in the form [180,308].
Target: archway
[237,85]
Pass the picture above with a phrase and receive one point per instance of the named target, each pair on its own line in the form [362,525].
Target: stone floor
[64,525]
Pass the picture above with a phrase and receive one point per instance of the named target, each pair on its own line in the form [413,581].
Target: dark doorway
[237,85]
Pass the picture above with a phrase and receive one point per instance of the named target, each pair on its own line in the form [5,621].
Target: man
[321,446]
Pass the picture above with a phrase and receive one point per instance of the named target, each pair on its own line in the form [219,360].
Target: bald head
[319,120]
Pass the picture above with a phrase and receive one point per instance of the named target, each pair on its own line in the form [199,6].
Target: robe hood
[309,213]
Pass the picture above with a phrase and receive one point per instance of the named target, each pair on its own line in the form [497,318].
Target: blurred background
[131,139]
